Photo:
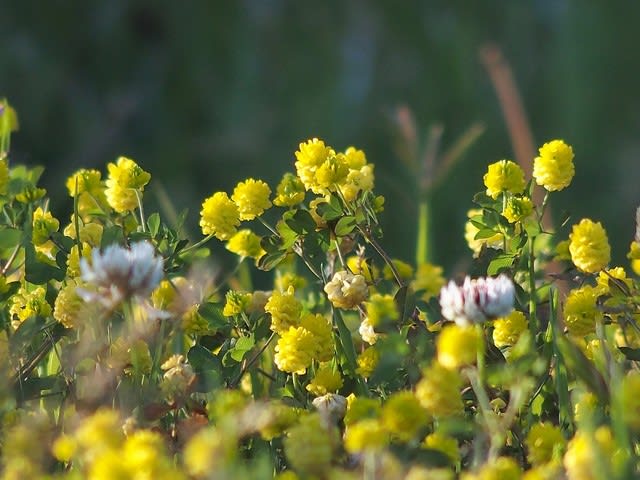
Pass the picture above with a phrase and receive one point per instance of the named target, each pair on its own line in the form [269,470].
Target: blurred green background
[204,94]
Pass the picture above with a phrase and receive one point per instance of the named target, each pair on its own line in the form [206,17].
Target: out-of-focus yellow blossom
[634,256]
[25,455]
[403,416]
[144,455]
[219,216]
[589,246]
[346,290]
[359,408]
[90,233]
[289,279]
[252,198]
[585,451]
[209,450]
[581,312]
[380,309]
[322,330]
[504,176]
[517,209]
[507,330]
[287,475]
[548,471]
[4,175]
[164,295]
[99,433]
[245,243]
[445,444]
[289,192]
[476,244]
[236,303]
[73,260]
[295,350]
[285,310]
[361,266]
[367,361]
[125,183]
[403,268]
[278,418]
[428,280]
[309,157]
[439,391]
[631,399]
[326,380]
[44,224]
[502,468]
[544,443]
[458,346]
[367,434]
[178,377]
[64,448]
[585,407]
[309,445]
[562,251]
[553,168]
[423,473]
[613,281]
[68,305]
[25,304]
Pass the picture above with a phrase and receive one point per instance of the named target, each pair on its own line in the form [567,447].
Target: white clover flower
[120,273]
[477,300]
[331,407]
[346,290]
[367,333]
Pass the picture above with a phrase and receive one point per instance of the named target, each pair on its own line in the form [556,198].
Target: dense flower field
[124,354]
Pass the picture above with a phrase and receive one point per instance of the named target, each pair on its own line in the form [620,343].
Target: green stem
[533,318]
[141,208]
[197,244]
[423,246]
[369,238]
[269,227]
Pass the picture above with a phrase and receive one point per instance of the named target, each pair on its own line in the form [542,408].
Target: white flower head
[120,273]
[331,407]
[477,300]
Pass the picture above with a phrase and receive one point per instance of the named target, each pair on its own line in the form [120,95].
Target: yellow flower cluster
[584,449]
[589,246]
[326,380]
[219,216]
[553,168]
[299,346]
[252,198]
[507,330]
[581,311]
[428,280]
[285,310]
[504,176]
[68,306]
[309,445]
[368,361]
[26,304]
[517,209]
[44,224]
[403,416]
[365,435]
[90,191]
[458,346]
[290,191]
[445,444]
[381,308]
[439,391]
[125,184]
[545,443]
[245,243]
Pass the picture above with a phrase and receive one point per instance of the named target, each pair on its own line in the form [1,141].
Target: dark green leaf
[270,260]
[345,226]
[37,272]
[242,346]
[9,237]
[300,221]
[631,353]
[111,235]
[501,262]
[208,368]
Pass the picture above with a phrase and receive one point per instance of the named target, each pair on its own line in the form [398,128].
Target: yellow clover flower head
[25,304]
[285,310]
[631,399]
[309,445]
[581,311]
[507,330]
[73,260]
[67,306]
[583,450]
[380,309]
[517,209]
[367,434]
[245,243]
[295,350]
[367,361]
[589,246]
[322,330]
[502,468]
[252,198]
[90,233]
[219,216]
[332,172]
[289,192]
[346,290]
[310,156]
[403,416]
[236,303]
[553,168]
[544,441]
[445,444]
[326,380]
[504,176]
[439,391]
[634,256]
[428,280]
[44,224]
[125,183]
[458,346]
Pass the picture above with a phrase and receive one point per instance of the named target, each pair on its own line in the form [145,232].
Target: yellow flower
[403,268]
[360,266]
[295,350]
[90,233]
[219,216]
[100,432]
[613,281]
[289,279]
[544,442]
[346,290]
[144,454]
[64,448]
[445,444]
[67,306]
[73,260]
[429,280]
[583,452]
[91,191]
[309,445]
[25,304]
[252,198]
[458,346]
[403,416]
[277,419]
[476,244]
[502,468]
[581,311]
[562,251]
[504,176]
[517,209]
[589,246]
[439,391]
[631,399]
[381,308]
[125,183]
[365,435]
[326,380]
[507,330]
[310,156]
[368,361]
[322,331]
[44,224]
[553,168]
[209,450]
[285,310]
[245,243]
[332,172]
[4,175]
[634,256]
[236,303]
[289,192]
[358,180]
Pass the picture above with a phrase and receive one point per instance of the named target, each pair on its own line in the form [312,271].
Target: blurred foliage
[203,92]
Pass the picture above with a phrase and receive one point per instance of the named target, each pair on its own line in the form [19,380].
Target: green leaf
[270,260]
[346,342]
[345,226]
[111,235]
[242,346]
[501,262]
[631,353]
[9,237]
[288,236]
[208,368]
[484,233]
[330,210]
[153,222]
[405,303]
[300,221]
[37,272]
